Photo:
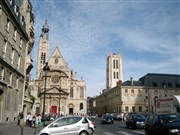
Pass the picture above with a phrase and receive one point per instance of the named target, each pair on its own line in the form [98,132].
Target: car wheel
[127,125]
[91,131]
[44,134]
[83,133]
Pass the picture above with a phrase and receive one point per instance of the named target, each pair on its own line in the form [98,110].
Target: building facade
[64,93]
[138,96]
[114,72]
[15,57]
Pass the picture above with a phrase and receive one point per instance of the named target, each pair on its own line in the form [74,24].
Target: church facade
[64,93]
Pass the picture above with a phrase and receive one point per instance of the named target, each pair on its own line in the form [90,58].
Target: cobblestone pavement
[14,129]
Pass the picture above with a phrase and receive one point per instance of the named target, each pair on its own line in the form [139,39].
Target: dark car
[135,121]
[162,124]
[107,118]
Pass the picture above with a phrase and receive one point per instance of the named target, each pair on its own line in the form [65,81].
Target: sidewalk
[14,129]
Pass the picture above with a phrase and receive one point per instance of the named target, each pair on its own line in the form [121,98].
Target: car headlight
[173,131]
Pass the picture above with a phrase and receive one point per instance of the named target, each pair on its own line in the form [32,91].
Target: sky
[144,32]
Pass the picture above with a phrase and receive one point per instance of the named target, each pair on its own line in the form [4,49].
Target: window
[132,91]
[177,85]
[126,90]
[10,79]
[12,56]
[114,64]
[17,82]
[16,10]
[133,109]
[19,61]
[154,84]
[140,108]
[4,47]
[114,75]
[71,92]
[117,64]
[7,24]
[15,33]
[2,73]
[22,20]
[117,75]
[126,108]
[81,92]
[10,2]
[20,42]
[81,106]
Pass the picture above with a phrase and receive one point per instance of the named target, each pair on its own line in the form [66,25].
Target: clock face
[55,79]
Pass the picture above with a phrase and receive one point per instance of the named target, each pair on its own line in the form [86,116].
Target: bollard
[21,130]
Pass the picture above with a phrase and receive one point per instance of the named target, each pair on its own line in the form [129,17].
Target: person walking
[19,118]
[27,119]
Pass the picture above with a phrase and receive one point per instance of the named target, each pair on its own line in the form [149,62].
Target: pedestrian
[27,119]
[34,121]
[30,120]
[19,118]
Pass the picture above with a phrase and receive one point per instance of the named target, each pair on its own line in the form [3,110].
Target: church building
[58,91]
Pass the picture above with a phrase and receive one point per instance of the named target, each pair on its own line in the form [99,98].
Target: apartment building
[15,58]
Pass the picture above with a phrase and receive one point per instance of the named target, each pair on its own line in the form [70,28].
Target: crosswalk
[134,132]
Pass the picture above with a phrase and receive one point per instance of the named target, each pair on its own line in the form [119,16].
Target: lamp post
[46,70]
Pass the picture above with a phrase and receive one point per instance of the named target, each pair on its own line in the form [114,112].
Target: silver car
[68,125]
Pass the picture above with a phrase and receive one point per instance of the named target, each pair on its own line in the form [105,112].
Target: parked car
[92,127]
[93,116]
[68,125]
[135,121]
[117,116]
[162,124]
[107,118]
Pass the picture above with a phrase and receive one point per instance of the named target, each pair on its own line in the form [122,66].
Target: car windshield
[168,118]
[138,116]
[107,116]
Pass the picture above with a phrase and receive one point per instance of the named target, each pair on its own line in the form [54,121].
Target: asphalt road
[118,128]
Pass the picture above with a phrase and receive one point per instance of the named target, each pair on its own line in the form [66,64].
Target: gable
[56,59]
[56,91]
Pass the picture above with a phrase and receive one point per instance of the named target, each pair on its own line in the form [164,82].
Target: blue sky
[144,32]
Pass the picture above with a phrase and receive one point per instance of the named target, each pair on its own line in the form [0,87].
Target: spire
[45,31]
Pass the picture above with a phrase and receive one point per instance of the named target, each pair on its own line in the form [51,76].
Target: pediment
[57,91]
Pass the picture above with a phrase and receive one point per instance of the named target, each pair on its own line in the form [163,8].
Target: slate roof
[161,80]
[156,80]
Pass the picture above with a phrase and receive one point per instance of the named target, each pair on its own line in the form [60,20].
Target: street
[118,128]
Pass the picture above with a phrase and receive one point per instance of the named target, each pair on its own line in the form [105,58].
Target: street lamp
[46,70]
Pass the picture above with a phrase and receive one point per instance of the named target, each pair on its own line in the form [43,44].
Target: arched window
[71,92]
[81,106]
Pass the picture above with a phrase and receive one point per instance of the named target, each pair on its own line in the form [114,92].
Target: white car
[68,125]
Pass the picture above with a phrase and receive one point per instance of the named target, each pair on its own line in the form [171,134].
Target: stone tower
[43,49]
[113,70]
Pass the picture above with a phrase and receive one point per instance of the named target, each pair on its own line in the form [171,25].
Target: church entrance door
[53,109]
[70,110]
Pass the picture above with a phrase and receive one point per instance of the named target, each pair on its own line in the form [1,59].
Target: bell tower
[43,49]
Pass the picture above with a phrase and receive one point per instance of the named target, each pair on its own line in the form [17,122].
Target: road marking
[139,132]
[131,133]
[105,133]
[124,133]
